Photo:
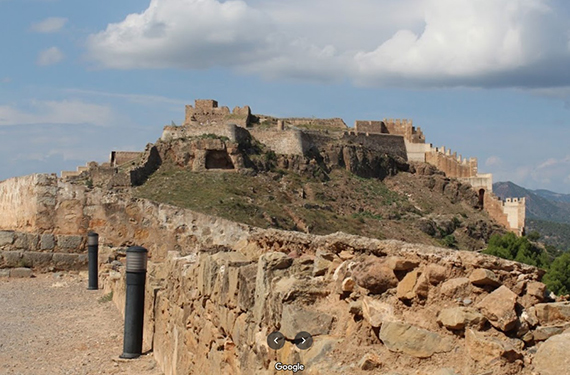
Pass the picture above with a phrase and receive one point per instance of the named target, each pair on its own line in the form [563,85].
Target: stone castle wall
[333,124]
[120,157]
[451,164]
[207,112]
[233,132]
[291,142]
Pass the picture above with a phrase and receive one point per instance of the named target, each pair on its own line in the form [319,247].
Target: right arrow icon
[303,340]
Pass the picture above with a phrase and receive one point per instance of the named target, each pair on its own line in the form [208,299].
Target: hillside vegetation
[425,208]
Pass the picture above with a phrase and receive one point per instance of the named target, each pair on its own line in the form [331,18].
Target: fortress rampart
[207,112]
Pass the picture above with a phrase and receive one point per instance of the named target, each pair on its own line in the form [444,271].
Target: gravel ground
[51,324]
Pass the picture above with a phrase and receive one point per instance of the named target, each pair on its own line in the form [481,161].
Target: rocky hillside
[340,188]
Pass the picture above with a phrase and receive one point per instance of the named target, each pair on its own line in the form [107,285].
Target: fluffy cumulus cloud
[57,112]
[50,56]
[49,25]
[484,43]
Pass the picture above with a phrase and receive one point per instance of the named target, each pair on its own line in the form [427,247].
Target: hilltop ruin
[300,136]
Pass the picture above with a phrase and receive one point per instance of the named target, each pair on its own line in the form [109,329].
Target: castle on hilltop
[298,136]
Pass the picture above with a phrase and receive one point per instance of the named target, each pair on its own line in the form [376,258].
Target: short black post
[93,252]
[134,305]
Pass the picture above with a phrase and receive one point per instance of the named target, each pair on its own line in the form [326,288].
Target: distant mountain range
[547,212]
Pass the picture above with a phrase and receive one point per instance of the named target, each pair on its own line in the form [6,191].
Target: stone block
[552,356]
[485,348]
[499,308]
[456,288]
[26,241]
[69,244]
[12,259]
[401,264]
[6,237]
[457,318]
[483,277]
[64,261]
[552,313]
[376,312]
[295,319]
[37,259]
[375,276]
[369,362]
[4,272]
[435,273]
[405,289]
[404,338]
[47,242]
[544,333]
[20,272]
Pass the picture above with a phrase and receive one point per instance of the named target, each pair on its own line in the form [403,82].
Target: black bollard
[134,305]
[93,252]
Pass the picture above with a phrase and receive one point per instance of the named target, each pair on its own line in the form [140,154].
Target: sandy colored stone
[482,277]
[401,264]
[435,273]
[456,318]
[552,313]
[375,276]
[376,312]
[552,356]
[20,272]
[499,308]
[369,362]
[484,348]
[348,284]
[405,289]
[417,342]
[456,288]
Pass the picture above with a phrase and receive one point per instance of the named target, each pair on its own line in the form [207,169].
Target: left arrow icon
[276,340]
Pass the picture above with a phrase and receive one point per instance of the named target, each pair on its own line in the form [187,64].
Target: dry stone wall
[42,251]
[369,304]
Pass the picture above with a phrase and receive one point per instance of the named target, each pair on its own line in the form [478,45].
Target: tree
[557,279]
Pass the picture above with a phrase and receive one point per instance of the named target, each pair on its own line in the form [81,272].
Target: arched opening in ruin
[218,159]
[481,198]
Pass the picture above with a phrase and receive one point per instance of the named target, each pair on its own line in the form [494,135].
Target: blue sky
[487,78]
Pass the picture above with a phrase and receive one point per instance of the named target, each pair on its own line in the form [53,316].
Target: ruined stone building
[298,136]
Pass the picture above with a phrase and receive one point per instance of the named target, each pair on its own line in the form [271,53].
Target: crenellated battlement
[207,112]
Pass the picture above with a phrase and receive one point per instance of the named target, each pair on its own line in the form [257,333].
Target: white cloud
[50,56]
[57,112]
[49,25]
[493,161]
[509,43]
[132,98]
[6,80]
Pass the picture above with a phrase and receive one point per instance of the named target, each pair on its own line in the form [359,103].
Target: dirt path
[52,324]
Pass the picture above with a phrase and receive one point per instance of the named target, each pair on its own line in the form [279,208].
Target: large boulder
[499,308]
[551,313]
[552,356]
[375,276]
[457,318]
[405,338]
